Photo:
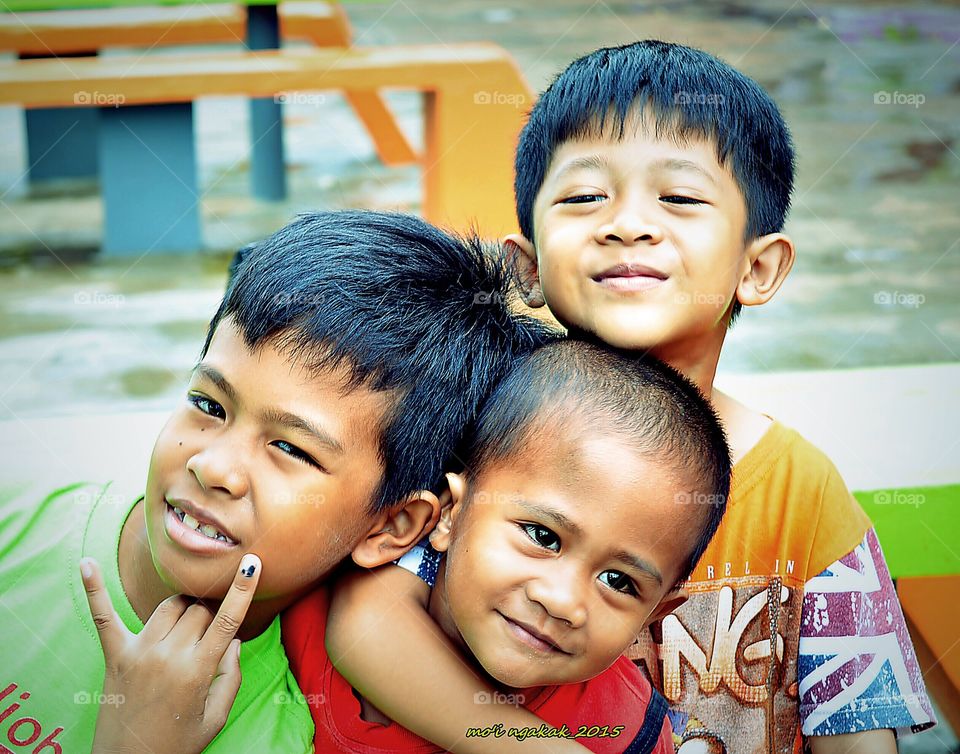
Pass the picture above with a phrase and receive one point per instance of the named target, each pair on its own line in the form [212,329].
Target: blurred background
[871,91]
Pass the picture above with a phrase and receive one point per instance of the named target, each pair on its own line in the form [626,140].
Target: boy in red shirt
[563,539]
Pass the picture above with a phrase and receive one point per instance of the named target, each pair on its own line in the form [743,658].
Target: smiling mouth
[529,636]
[207,530]
[630,277]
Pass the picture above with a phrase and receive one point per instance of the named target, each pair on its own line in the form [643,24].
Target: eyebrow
[590,162]
[627,558]
[272,415]
[639,564]
[679,165]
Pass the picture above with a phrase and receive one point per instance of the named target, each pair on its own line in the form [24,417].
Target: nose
[219,467]
[562,592]
[628,225]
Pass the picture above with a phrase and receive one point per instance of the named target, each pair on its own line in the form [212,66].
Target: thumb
[223,689]
[113,634]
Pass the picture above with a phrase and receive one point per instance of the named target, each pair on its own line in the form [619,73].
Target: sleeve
[857,669]
[422,561]
[665,742]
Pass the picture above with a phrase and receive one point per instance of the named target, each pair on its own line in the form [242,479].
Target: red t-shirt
[617,697]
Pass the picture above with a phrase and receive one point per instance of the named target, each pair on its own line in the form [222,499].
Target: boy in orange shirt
[652,184]
[653,181]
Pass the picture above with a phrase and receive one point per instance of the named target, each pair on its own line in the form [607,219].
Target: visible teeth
[205,529]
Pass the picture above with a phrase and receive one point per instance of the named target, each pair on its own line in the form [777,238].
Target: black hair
[586,384]
[404,307]
[687,92]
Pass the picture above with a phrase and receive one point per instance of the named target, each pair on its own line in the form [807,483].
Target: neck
[146,590]
[696,357]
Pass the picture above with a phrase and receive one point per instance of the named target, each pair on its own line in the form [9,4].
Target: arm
[868,742]
[846,610]
[381,638]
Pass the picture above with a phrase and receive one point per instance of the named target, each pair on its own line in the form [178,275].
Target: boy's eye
[542,536]
[207,405]
[618,581]
[675,199]
[295,452]
[583,199]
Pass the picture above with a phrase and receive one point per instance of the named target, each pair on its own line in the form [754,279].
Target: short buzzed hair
[648,403]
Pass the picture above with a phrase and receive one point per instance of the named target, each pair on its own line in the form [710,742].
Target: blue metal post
[61,141]
[149,180]
[268,179]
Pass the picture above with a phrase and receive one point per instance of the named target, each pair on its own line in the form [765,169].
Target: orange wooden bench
[475,99]
[82,32]
[931,605]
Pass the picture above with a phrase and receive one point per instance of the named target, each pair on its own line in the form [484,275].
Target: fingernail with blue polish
[249,564]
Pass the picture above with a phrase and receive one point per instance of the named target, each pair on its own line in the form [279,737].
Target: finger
[113,634]
[223,688]
[234,607]
[191,626]
[164,618]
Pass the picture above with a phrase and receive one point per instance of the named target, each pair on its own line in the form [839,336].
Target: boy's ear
[523,256]
[456,493]
[397,529]
[670,602]
[770,258]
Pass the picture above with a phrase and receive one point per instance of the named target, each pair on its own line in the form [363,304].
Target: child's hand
[176,680]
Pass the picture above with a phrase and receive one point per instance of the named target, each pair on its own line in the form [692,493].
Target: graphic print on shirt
[876,677]
[723,669]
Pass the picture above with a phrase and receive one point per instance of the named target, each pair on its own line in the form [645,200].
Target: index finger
[112,632]
[234,607]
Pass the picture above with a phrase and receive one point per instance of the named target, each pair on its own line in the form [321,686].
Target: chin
[192,581]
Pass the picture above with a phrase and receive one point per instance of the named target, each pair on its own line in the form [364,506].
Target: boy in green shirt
[333,384]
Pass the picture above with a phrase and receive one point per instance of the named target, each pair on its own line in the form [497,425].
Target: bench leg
[149,180]
[268,179]
[390,142]
[469,143]
[61,141]
[393,147]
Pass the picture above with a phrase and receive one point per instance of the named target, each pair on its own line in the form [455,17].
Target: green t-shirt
[51,664]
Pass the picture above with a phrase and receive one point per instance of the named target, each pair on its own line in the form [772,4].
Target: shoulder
[45,510]
[789,508]
[303,632]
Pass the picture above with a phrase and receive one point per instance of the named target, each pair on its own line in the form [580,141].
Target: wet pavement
[871,93]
